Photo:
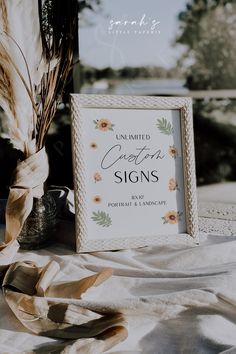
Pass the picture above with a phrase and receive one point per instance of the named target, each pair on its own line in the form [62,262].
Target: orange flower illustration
[97,199]
[172,217]
[173,185]
[103,124]
[93,146]
[97,177]
[173,152]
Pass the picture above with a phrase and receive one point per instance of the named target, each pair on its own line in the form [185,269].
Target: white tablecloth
[176,299]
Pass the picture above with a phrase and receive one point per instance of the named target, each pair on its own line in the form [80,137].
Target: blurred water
[138,87]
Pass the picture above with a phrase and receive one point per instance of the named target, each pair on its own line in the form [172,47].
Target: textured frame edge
[184,105]
[190,192]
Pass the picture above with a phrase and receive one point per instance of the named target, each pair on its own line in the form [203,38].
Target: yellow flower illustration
[103,124]
[173,185]
[173,152]
[97,199]
[93,146]
[97,177]
[172,217]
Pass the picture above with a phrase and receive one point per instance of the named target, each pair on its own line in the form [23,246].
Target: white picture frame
[127,147]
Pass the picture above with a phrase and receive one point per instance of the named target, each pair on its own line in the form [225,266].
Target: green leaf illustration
[164,126]
[101,218]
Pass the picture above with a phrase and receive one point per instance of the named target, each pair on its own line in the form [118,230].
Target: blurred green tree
[208,29]
[88,4]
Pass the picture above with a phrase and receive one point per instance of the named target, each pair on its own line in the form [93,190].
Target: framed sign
[134,171]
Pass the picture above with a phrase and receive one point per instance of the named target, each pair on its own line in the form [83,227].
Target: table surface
[176,299]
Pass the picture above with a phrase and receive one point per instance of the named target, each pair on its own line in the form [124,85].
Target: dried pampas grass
[36,53]
[57,25]
[4,16]
[6,88]
[31,87]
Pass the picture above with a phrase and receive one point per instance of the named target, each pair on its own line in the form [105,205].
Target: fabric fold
[29,178]
[28,290]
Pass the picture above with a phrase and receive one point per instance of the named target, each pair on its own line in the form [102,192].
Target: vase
[3,203]
[40,226]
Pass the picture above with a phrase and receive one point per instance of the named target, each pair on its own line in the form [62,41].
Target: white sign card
[134,171]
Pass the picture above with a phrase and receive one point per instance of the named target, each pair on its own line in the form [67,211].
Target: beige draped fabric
[29,179]
[44,308]
[40,304]
[175,299]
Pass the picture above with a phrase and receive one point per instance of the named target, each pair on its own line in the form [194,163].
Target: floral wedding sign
[133,171]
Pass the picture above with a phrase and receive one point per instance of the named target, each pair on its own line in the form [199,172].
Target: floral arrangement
[36,54]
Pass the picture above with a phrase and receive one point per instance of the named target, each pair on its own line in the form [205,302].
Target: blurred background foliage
[207,32]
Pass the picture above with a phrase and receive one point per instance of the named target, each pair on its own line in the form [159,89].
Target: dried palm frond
[57,24]
[57,21]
